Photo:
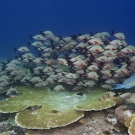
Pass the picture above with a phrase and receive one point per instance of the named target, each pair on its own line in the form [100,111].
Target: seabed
[91,123]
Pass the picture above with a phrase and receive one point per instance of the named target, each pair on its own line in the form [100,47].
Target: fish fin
[112,32]
[8,61]
[39,54]
[30,37]
[28,43]
[130,79]
[15,49]
[20,55]
[60,37]
[3,68]
[73,36]
[29,60]
[118,86]
[42,62]
[41,32]
[34,47]
[128,87]
[91,34]
[59,47]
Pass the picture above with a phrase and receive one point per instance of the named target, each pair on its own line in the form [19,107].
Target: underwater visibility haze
[19,18]
[67,64]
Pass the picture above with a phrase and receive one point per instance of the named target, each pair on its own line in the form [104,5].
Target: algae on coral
[57,108]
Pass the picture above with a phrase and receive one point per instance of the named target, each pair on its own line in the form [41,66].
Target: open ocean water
[19,18]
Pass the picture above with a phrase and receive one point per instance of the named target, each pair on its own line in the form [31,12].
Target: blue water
[19,18]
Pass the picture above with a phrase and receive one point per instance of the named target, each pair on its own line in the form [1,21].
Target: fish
[127,84]
[4,83]
[93,67]
[95,41]
[42,83]
[48,32]
[90,83]
[38,60]
[28,55]
[71,75]
[102,59]
[93,75]
[37,44]
[109,53]
[76,88]
[127,50]
[107,86]
[106,34]
[83,37]
[108,66]
[99,35]
[35,80]
[47,69]
[110,81]
[80,60]
[122,71]
[11,90]
[96,49]
[116,42]
[119,35]
[63,61]
[74,59]
[59,88]
[22,49]
[38,37]
[111,47]
[106,72]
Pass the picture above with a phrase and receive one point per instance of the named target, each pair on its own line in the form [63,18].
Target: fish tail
[15,49]
[30,37]
[8,60]
[29,60]
[39,54]
[91,34]
[28,43]
[73,36]
[41,32]
[118,86]
[112,32]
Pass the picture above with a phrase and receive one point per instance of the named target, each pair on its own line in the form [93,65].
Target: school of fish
[91,59]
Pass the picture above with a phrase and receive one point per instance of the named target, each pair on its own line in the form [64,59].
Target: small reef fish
[59,88]
[63,61]
[11,90]
[22,49]
[79,60]
[119,35]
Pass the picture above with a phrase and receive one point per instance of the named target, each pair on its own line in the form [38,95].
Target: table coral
[56,109]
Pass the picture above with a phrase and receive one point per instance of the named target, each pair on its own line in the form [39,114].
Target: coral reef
[131,129]
[41,108]
[70,77]
[93,123]
[131,99]
[122,114]
[128,120]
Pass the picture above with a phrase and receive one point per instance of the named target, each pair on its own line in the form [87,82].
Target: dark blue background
[19,18]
